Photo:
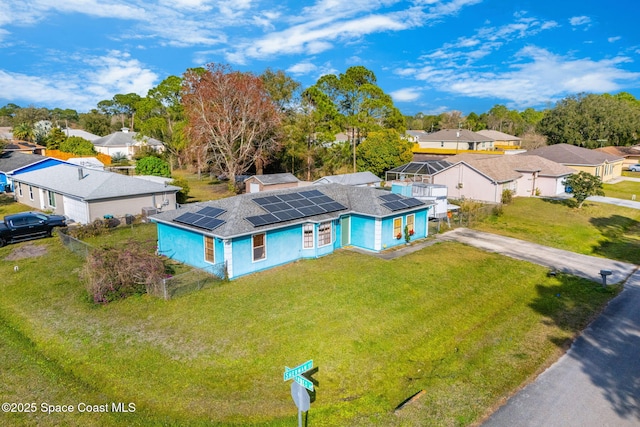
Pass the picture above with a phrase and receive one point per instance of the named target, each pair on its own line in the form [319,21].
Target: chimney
[80,174]
[125,130]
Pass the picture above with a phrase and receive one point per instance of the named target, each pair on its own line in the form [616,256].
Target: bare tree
[232,116]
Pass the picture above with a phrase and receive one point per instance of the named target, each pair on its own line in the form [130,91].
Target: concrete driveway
[568,262]
[597,382]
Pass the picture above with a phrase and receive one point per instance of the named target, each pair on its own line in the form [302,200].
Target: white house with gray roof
[127,143]
[357,179]
[84,195]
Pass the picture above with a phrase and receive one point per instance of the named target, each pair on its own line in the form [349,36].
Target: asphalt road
[597,382]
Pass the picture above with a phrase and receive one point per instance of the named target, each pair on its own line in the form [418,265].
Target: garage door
[76,210]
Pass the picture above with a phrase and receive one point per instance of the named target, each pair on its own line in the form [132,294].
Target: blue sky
[430,56]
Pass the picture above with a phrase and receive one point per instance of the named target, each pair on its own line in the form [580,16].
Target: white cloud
[613,39]
[406,94]
[579,20]
[94,79]
[302,68]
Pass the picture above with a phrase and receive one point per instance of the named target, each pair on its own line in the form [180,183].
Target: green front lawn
[623,190]
[466,326]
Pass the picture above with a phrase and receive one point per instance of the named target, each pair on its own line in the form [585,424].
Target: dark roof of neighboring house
[81,133]
[23,146]
[13,160]
[123,139]
[275,178]
[357,200]
[357,178]
[614,150]
[93,185]
[504,168]
[568,154]
[428,167]
[453,135]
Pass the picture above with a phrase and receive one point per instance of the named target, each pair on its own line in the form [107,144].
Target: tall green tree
[95,122]
[383,150]
[78,145]
[361,103]
[584,185]
[23,132]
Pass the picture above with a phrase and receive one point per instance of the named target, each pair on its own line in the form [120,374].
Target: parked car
[28,225]
[635,168]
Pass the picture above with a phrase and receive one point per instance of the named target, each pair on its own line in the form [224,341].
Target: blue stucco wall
[186,246]
[363,233]
[420,228]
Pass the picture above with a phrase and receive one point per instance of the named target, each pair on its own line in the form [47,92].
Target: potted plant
[407,234]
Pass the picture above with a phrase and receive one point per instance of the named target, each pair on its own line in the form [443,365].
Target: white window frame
[308,242]
[20,189]
[395,234]
[325,229]
[413,222]
[254,247]
[209,248]
[31,192]
[51,198]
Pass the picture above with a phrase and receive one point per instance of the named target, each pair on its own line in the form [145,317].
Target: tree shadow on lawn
[608,349]
[616,244]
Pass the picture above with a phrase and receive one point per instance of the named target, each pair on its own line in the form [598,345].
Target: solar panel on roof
[211,211]
[311,210]
[257,220]
[291,196]
[301,203]
[333,206]
[321,199]
[188,218]
[310,193]
[267,200]
[275,207]
[208,223]
[390,197]
[393,206]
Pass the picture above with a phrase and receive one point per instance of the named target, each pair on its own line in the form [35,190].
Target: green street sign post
[299,394]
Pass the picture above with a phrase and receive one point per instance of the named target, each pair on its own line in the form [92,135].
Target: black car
[28,225]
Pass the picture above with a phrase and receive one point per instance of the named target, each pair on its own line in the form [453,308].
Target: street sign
[300,397]
[303,382]
[298,370]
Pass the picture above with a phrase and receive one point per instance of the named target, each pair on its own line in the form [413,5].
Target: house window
[52,198]
[307,236]
[411,219]
[30,192]
[209,250]
[324,234]
[20,189]
[259,247]
[397,227]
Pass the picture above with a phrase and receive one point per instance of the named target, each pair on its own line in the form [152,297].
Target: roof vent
[80,173]
[125,130]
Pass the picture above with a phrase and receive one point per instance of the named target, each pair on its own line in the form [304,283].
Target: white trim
[377,234]
[313,235]
[330,224]
[253,248]
[228,257]
[213,247]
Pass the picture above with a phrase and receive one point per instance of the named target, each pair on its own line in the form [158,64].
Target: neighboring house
[604,165]
[126,143]
[254,232]
[484,178]
[25,147]
[451,141]
[432,193]
[81,133]
[84,195]
[416,171]
[501,139]
[631,155]
[14,162]
[273,181]
[357,179]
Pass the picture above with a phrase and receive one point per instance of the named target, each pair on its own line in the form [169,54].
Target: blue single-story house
[257,231]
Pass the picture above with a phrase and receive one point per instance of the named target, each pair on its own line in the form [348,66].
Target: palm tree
[23,132]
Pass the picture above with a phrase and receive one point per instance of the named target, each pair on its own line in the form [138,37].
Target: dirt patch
[26,251]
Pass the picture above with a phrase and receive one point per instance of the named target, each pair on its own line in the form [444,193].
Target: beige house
[604,165]
[84,195]
[501,139]
[126,143]
[450,141]
[631,155]
[273,181]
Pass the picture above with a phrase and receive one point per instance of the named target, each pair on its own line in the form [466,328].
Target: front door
[345,227]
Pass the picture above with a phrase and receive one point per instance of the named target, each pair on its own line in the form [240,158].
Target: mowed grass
[204,187]
[597,229]
[623,189]
[467,327]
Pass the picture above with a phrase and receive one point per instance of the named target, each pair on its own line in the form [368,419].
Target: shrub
[116,273]
[152,166]
[182,195]
[507,196]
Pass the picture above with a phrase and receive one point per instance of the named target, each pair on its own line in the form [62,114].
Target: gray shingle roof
[503,168]
[12,160]
[357,178]
[123,139]
[363,200]
[275,178]
[451,135]
[94,185]
[568,154]
[497,135]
